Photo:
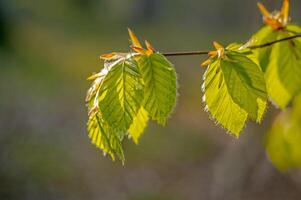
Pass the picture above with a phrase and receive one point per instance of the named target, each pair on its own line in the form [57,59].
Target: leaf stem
[193,53]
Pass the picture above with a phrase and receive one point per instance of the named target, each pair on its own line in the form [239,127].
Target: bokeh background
[47,50]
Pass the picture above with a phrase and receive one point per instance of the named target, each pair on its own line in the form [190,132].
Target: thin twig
[274,42]
[193,53]
[189,53]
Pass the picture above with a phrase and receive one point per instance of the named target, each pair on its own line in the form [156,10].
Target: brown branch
[190,53]
[193,53]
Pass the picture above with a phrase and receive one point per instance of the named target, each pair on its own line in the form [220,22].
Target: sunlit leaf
[219,102]
[102,136]
[245,83]
[288,55]
[122,88]
[281,63]
[234,88]
[139,124]
[160,83]
[264,35]
[114,101]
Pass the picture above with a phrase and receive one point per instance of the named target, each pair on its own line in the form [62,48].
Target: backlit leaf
[234,88]
[245,83]
[264,35]
[139,124]
[104,137]
[123,90]
[281,63]
[160,86]
[288,55]
[219,102]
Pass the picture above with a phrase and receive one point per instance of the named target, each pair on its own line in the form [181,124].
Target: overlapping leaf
[104,137]
[246,84]
[160,86]
[114,101]
[281,63]
[288,55]
[159,79]
[234,88]
[219,102]
[264,35]
[124,93]
[138,125]
[129,89]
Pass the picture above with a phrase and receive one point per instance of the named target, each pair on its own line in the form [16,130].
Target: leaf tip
[134,39]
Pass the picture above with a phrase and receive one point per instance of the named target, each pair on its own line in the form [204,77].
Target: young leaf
[234,88]
[139,124]
[288,55]
[283,141]
[160,83]
[277,93]
[122,89]
[281,63]
[104,137]
[245,83]
[219,102]
[264,35]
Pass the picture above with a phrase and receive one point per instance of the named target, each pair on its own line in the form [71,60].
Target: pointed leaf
[219,101]
[245,83]
[138,125]
[104,137]
[123,90]
[288,56]
[264,35]
[160,83]
[281,63]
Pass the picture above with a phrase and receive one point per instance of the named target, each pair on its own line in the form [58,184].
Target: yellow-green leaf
[139,124]
[281,63]
[160,86]
[219,102]
[123,90]
[245,83]
[283,141]
[105,138]
[234,89]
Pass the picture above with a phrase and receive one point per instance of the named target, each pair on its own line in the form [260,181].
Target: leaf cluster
[130,89]
[240,79]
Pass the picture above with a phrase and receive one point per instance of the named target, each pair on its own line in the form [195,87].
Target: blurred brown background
[47,50]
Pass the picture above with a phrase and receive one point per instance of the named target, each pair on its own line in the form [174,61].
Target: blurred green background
[47,50]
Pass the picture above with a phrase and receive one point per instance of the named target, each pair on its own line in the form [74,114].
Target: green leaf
[104,137]
[245,83]
[219,102]
[264,35]
[139,124]
[160,83]
[281,63]
[234,88]
[284,138]
[121,93]
[114,103]
[288,55]
[283,142]
[278,94]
